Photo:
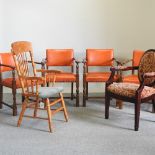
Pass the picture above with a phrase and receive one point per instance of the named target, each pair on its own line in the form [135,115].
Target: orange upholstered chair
[6,65]
[133,78]
[64,58]
[11,81]
[100,58]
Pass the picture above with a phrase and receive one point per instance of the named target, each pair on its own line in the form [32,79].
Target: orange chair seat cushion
[98,76]
[129,89]
[62,77]
[8,83]
[131,79]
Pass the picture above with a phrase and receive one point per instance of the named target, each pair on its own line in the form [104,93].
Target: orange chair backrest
[99,57]
[7,59]
[137,54]
[59,57]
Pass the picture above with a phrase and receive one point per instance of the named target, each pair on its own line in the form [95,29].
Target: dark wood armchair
[64,58]
[97,58]
[131,92]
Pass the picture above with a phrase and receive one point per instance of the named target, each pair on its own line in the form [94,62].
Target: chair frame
[137,100]
[85,83]
[74,61]
[13,70]
[19,50]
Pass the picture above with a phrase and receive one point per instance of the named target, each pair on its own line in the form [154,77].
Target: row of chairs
[65,58]
[115,86]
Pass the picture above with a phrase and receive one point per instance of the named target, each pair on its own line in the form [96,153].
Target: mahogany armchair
[64,58]
[100,58]
[131,92]
[33,94]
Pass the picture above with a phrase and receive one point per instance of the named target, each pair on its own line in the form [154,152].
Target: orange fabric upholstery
[99,57]
[63,77]
[98,76]
[8,83]
[64,58]
[137,54]
[59,57]
[131,79]
[6,58]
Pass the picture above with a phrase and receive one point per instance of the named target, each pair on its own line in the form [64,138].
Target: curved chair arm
[123,68]
[117,62]
[42,63]
[119,68]
[126,61]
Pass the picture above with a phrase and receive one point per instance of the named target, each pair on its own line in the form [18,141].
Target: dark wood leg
[48,84]
[86,90]
[137,114]
[1,96]
[107,104]
[14,102]
[77,92]
[153,105]
[72,86]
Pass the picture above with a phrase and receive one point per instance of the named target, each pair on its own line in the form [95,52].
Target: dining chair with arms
[131,92]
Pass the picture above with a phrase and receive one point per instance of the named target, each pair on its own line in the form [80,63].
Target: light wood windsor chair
[22,54]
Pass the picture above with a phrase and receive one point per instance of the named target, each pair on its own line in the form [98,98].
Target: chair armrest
[126,61]
[42,63]
[123,68]
[4,65]
[149,75]
[117,62]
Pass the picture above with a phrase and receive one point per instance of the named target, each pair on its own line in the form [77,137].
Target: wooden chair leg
[24,104]
[49,115]
[36,107]
[86,90]
[137,114]
[84,93]
[14,102]
[72,85]
[1,96]
[64,107]
[153,105]
[107,104]
[77,93]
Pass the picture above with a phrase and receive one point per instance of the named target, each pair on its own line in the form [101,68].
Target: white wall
[120,24]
